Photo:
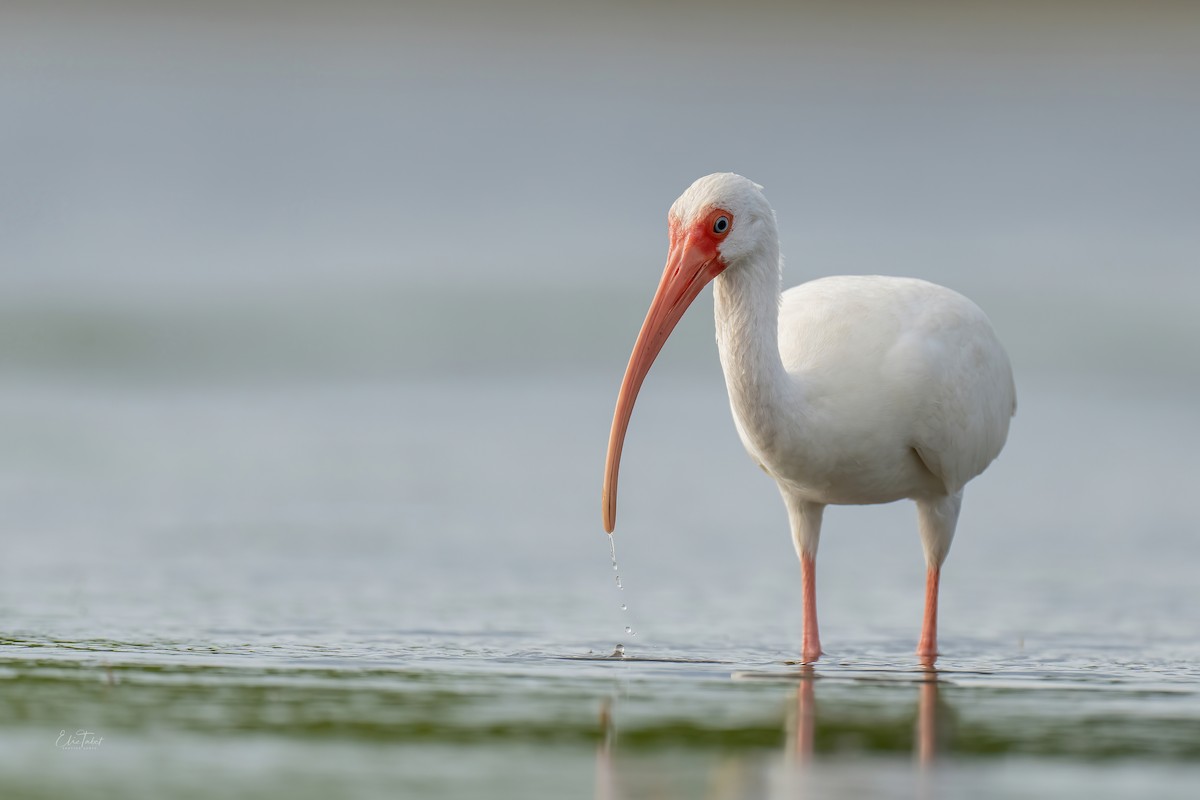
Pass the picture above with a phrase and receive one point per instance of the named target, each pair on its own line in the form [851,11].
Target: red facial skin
[692,261]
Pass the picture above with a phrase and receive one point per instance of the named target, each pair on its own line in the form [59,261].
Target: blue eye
[721,225]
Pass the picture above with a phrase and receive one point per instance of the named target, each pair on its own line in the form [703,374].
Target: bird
[847,390]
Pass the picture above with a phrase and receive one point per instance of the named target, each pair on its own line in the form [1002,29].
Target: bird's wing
[967,394]
[909,356]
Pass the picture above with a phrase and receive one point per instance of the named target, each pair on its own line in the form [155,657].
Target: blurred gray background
[325,278]
[338,182]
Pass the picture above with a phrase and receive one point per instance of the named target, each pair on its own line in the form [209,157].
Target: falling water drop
[612,549]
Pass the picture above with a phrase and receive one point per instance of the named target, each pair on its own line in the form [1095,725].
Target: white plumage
[846,390]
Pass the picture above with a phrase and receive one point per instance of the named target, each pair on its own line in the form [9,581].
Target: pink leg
[927,648]
[812,637]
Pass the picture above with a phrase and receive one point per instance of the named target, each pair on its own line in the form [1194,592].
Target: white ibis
[847,390]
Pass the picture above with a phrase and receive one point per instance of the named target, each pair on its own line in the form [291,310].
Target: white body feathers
[889,388]
[852,389]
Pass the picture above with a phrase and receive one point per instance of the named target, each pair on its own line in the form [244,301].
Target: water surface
[286,589]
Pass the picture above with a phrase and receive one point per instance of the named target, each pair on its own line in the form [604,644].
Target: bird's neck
[747,320]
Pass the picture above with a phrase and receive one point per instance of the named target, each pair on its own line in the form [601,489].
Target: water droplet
[612,548]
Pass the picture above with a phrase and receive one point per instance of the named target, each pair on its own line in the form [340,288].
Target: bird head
[715,225]
[695,218]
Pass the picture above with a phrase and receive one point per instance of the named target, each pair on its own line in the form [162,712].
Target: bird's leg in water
[927,648]
[937,519]
[811,649]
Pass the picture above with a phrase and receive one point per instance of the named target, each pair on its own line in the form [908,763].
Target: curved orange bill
[690,266]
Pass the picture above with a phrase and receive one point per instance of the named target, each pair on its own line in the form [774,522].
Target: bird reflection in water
[756,772]
[930,716]
[927,738]
[605,774]
[802,726]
